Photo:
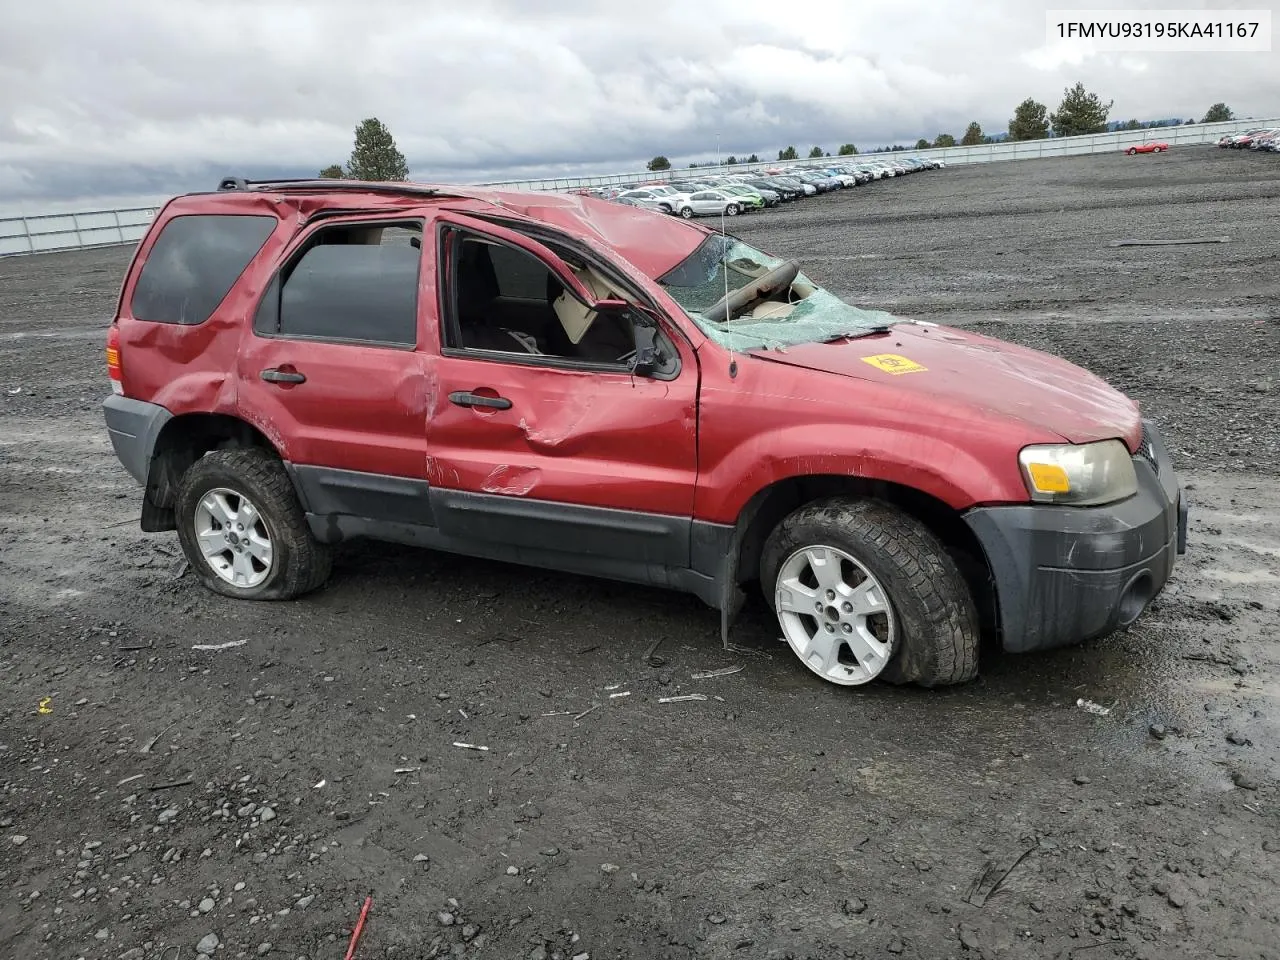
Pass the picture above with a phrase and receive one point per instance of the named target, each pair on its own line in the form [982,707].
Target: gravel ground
[243,801]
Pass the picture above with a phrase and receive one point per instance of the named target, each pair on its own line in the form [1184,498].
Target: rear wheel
[862,590]
[686,212]
[243,530]
[731,210]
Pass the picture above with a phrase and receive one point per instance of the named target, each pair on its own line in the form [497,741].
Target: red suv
[589,387]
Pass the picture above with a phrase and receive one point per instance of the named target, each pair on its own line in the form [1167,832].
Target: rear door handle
[465,399]
[282,376]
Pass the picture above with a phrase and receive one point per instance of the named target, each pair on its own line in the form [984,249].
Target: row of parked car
[729,194]
[1264,138]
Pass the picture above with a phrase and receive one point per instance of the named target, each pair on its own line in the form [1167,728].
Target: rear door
[546,450]
[332,372]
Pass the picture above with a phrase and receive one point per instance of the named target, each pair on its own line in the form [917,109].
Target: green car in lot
[750,199]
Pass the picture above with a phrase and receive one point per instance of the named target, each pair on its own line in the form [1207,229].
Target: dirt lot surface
[156,795]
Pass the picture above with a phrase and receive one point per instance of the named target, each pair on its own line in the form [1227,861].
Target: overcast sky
[148,97]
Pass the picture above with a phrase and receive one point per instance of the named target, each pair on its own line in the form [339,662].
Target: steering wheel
[779,278]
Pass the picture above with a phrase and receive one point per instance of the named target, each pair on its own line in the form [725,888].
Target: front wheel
[1132,151]
[862,590]
[1156,149]
[243,530]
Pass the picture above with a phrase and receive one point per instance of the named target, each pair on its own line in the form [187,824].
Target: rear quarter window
[194,263]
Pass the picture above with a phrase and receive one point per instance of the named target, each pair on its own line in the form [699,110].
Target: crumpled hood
[1034,387]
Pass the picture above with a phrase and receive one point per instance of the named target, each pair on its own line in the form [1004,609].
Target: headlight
[1079,475]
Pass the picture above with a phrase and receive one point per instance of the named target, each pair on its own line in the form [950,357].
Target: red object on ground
[355,934]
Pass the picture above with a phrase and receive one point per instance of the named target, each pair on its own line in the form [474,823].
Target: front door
[544,447]
[332,373]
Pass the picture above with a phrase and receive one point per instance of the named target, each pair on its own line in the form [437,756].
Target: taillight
[113,359]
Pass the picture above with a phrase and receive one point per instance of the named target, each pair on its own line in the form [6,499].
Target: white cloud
[143,95]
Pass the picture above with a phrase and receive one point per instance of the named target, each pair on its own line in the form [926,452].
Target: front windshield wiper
[853,335]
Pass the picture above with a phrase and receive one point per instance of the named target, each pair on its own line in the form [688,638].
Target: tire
[298,562]
[1132,151]
[934,628]
[1156,149]
[686,213]
[731,210]
[664,207]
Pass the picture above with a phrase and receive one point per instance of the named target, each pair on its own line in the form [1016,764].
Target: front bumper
[1064,575]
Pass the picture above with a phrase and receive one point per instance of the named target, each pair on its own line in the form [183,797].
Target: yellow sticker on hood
[893,363]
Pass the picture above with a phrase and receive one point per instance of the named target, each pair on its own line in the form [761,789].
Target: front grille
[1147,449]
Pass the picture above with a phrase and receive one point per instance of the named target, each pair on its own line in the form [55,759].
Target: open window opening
[507,300]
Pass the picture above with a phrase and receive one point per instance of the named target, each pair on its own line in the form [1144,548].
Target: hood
[966,368]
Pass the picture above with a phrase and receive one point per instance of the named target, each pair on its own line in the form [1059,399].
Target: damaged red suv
[589,387]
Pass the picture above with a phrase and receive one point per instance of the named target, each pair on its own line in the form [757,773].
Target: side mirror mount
[648,356]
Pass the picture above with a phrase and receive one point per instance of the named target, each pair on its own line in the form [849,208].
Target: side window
[356,282]
[520,276]
[194,263]
[503,299]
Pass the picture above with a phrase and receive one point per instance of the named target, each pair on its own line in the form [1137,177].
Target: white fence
[1185,135]
[73,231]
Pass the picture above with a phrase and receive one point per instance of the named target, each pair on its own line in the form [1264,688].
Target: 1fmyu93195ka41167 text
[1156,31]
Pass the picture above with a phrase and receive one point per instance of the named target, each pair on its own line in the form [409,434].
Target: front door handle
[464,398]
[282,376]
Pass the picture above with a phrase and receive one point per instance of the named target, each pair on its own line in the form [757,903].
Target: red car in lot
[583,386]
[1147,148]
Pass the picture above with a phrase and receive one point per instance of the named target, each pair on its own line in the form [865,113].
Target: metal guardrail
[74,231]
[98,228]
[1116,140]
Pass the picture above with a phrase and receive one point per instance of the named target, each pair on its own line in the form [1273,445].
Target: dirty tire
[301,563]
[937,620]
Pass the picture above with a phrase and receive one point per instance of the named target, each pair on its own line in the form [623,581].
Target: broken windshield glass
[803,313]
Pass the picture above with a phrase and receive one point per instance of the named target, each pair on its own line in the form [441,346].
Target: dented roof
[652,242]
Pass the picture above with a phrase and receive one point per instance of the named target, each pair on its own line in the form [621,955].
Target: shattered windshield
[802,313]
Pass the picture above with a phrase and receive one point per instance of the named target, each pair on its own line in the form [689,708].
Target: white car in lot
[663,199]
[707,203]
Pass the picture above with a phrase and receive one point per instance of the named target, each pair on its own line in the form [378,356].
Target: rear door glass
[193,265]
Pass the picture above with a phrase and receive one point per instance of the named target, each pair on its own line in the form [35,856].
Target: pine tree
[972,135]
[1079,113]
[375,156]
[1029,121]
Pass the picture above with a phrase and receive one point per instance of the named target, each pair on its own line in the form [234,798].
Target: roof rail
[326,184]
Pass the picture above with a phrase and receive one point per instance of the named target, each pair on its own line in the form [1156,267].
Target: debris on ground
[651,655]
[712,674]
[1088,706]
[992,879]
[683,698]
[355,934]
[221,646]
